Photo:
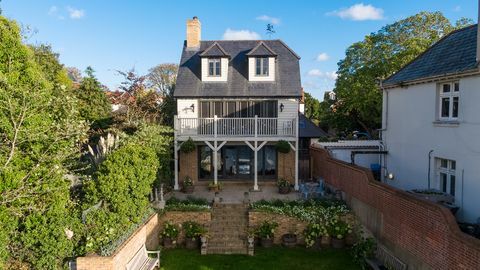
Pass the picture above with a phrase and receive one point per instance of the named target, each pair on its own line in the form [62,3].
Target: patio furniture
[142,261]
[303,191]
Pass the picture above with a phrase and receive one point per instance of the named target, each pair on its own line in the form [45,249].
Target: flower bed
[189,205]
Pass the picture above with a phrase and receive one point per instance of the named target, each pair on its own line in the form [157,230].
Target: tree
[359,101]
[163,78]
[40,130]
[312,108]
[93,103]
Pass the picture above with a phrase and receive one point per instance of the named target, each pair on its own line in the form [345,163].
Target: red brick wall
[178,217]
[422,234]
[188,166]
[285,225]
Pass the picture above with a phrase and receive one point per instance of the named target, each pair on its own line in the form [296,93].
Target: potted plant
[169,235]
[364,251]
[188,186]
[214,187]
[250,232]
[313,235]
[266,232]
[289,240]
[193,231]
[188,146]
[338,229]
[283,146]
[283,186]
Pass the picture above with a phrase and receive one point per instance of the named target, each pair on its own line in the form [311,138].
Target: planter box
[433,195]
[283,190]
[289,240]
[188,189]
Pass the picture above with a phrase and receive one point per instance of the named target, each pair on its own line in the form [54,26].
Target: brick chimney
[194,32]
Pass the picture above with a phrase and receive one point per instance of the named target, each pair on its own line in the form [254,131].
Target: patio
[235,193]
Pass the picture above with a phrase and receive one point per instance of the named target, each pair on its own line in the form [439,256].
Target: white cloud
[322,57]
[359,12]
[457,8]
[269,19]
[331,75]
[75,13]
[53,10]
[231,34]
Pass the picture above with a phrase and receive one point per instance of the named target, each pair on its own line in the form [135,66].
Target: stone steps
[227,229]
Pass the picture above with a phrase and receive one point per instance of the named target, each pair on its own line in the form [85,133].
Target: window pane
[457,87]
[258,66]
[231,161]
[452,185]
[270,160]
[444,163]
[205,162]
[244,156]
[205,109]
[265,66]
[445,107]
[455,107]
[210,68]
[453,165]
[218,68]
[218,108]
[231,109]
[443,182]
[260,161]
[446,88]
[243,108]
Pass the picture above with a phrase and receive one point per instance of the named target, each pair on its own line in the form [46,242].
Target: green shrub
[188,146]
[267,229]
[283,147]
[193,229]
[362,250]
[190,204]
[170,230]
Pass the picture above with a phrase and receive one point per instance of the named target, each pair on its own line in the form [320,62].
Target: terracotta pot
[188,189]
[266,242]
[289,240]
[318,243]
[326,240]
[168,242]
[338,243]
[214,189]
[283,190]
[191,243]
[350,239]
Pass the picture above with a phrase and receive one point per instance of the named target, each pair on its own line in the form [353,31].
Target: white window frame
[454,93]
[264,63]
[215,61]
[446,168]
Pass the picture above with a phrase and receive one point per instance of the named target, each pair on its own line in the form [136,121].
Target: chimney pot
[194,32]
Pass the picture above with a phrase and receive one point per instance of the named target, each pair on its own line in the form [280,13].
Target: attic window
[214,67]
[261,66]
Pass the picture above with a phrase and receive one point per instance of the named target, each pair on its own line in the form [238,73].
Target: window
[214,67]
[446,175]
[261,66]
[231,109]
[449,101]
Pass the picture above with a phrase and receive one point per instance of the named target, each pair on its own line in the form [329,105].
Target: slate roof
[215,50]
[261,50]
[287,72]
[454,53]
[307,129]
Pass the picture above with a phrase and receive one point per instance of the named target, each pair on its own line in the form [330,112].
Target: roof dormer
[261,63]
[214,64]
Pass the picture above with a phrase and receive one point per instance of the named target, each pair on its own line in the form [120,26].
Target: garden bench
[141,260]
[385,260]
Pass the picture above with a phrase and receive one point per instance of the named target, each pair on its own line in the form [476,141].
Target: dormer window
[214,67]
[261,66]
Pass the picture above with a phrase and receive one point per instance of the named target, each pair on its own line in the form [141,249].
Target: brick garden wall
[422,234]
[146,234]
[177,217]
[285,225]
[188,166]
[286,166]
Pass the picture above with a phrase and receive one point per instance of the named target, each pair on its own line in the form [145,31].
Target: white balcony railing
[235,127]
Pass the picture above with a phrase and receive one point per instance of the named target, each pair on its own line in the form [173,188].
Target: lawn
[276,258]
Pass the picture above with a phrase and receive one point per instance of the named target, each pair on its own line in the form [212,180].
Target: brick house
[235,100]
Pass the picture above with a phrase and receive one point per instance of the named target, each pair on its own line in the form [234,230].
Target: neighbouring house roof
[261,50]
[119,97]
[287,72]
[307,129]
[215,50]
[453,54]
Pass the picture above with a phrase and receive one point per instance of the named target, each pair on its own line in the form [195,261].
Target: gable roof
[261,50]
[215,50]
[287,72]
[453,54]
[307,129]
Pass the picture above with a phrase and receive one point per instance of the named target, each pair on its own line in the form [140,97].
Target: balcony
[236,128]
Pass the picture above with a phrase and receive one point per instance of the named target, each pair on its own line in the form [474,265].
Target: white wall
[223,71]
[342,150]
[184,110]
[271,71]
[409,116]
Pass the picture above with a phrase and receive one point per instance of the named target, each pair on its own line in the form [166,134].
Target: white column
[175,186]
[215,169]
[255,176]
[175,149]
[296,152]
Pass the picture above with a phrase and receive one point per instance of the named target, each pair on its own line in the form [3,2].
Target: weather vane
[270,30]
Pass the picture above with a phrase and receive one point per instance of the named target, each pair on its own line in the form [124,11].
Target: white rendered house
[235,100]
[431,122]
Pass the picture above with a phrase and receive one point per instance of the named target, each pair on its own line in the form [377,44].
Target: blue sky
[118,35]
